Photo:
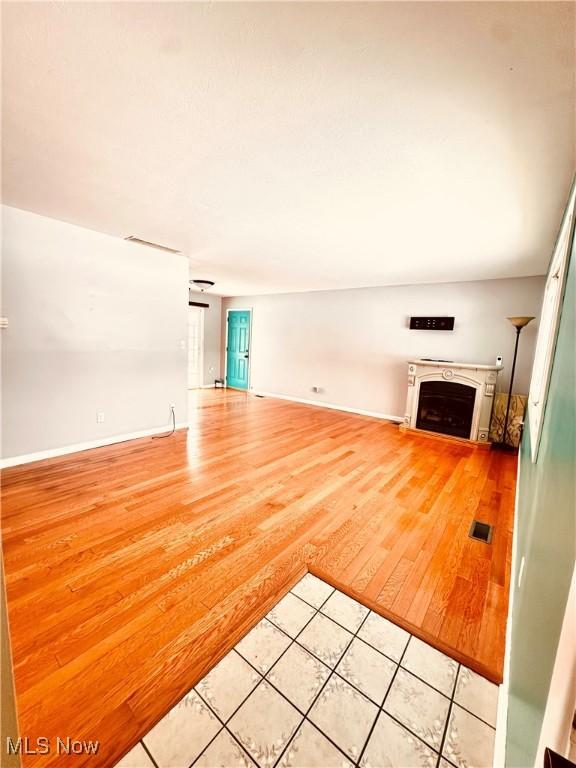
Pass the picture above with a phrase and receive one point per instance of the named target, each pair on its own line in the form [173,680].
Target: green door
[238,349]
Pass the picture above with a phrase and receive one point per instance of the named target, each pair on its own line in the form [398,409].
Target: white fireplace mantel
[477,375]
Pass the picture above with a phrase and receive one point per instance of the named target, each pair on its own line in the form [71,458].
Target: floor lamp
[518,323]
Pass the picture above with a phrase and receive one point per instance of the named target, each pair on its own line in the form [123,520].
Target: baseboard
[52,453]
[332,406]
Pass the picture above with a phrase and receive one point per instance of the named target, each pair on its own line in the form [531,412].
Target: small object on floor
[218,383]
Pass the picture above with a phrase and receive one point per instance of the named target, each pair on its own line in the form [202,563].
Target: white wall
[355,343]
[95,324]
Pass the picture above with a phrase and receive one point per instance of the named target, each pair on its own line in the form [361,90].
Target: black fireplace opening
[446,407]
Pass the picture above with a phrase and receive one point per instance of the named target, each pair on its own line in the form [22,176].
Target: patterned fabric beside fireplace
[515,418]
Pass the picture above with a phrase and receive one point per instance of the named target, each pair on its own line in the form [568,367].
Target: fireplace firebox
[446,407]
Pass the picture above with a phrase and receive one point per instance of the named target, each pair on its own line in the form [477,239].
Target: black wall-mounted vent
[199,304]
[481,531]
[432,323]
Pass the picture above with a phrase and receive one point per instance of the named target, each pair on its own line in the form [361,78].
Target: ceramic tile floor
[322,682]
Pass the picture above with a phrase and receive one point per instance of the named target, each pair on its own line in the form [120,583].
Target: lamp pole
[518,323]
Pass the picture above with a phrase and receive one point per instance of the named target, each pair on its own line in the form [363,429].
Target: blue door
[238,349]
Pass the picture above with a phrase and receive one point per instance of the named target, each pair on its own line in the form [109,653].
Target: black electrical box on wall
[432,323]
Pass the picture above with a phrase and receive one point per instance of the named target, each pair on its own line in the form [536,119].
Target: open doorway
[195,347]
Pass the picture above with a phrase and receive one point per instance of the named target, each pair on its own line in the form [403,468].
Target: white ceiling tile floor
[322,682]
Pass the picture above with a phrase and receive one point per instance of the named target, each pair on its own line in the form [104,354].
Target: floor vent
[481,531]
[259,396]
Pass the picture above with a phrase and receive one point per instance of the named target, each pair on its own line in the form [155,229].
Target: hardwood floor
[132,569]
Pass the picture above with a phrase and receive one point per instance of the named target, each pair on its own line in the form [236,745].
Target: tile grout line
[263,677]
[381,707]
[220,730]
[333,671]
[441,749]
[225,721]
[222,721]
[365,695]
[323,686]
[150,755]
[258,672]
[315,698]
[469,712]
[398,664]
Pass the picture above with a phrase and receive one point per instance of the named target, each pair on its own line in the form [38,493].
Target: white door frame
[238,309]
[201,361]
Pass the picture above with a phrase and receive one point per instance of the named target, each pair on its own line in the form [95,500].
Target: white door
[195,346]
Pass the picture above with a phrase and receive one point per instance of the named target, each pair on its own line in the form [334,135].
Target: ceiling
[298,146]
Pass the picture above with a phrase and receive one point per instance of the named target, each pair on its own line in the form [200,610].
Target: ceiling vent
[151,245]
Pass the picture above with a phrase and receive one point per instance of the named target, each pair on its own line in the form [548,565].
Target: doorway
[238,328]
[195,347]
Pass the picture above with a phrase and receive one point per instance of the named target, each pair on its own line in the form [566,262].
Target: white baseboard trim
[332,406]
[52,453]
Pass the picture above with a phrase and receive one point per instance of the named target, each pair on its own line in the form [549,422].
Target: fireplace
[451,398]
[446,407]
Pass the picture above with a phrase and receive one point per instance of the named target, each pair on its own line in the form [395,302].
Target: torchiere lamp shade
[519,322]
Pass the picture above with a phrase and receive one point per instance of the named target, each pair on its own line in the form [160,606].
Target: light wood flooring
[131,569]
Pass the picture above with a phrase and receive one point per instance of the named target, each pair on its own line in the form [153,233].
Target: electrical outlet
[99,417]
